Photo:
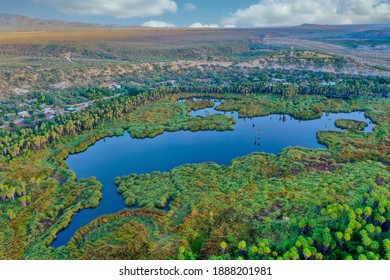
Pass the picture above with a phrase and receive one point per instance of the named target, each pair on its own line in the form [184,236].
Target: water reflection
[119,156]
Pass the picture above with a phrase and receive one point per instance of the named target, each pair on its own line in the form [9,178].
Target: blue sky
[203,13]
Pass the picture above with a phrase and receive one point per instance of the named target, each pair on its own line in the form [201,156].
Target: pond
[120,156]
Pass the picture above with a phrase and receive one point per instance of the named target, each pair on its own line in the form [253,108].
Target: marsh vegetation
[261,199]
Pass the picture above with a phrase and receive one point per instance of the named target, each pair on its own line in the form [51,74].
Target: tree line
[18,142]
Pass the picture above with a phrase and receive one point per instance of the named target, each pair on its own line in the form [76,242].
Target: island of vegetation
[353,125]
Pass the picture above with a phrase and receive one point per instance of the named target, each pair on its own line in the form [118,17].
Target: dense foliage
[353,125]
[306,204]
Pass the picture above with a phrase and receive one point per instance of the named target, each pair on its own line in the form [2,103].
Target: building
[170,82]
[115,87]
[23,114]
[328,84]
[292,53]
[30,101]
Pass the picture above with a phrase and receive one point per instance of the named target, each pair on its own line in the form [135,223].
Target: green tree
[223,246]
[11,214]
[242,246]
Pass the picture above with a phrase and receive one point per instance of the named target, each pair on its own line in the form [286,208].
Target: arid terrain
[39,58]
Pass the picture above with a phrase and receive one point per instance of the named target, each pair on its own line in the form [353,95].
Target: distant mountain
[309,25]
[16,22]
[324,27]
[362,27]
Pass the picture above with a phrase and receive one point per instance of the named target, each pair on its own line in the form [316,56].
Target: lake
[119,156]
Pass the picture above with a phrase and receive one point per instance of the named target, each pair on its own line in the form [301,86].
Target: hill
[16,22]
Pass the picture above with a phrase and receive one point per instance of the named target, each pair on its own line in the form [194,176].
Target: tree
[211,215]
[367,212]
[306,253]
[242,246]
[24,200]
[182,250]
[263,247]
[386,245]
[223,246]
[11,214]
[302,225]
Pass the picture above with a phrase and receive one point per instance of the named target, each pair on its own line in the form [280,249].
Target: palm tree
[253,251]
[367,211]
[312,224]
[11,193]
[182,250]
[339,237]
[211,215]
[25,199]
[306,253]
[223,246]
[302,225]
[242,246]
[11,214]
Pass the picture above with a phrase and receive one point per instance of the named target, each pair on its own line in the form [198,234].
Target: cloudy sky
[204,13]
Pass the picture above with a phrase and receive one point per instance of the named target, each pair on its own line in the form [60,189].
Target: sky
[204,13]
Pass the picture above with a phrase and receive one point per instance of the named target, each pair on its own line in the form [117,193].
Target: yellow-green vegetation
[194,105]
[39,195]
[282,198]
[153,120]
[42,193]
[304,107]
[268,201]
[352,125]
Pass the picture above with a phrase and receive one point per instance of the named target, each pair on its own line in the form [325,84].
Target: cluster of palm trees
[292,89]
[16,143]
[18,190]
[342,232]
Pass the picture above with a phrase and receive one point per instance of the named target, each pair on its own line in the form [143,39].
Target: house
[9,115]
[278,80]
[136,84]
[23,114]
[49,116]
[49,111]
[206,80]
[328,84]
[115,87]
[170,82]
[31,100]
[19,121]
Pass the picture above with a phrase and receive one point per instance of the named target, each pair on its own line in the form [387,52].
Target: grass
[352,125]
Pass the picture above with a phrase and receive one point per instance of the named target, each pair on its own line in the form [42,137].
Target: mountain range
[16,22]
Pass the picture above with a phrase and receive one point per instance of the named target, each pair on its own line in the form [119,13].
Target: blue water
[119,156]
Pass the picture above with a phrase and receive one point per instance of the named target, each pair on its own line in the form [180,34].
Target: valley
[184,143]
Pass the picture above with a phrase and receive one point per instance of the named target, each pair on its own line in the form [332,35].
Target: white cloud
[201,25]
[285,12]
[156,23]
[113,8]
[190,7]
[229,26]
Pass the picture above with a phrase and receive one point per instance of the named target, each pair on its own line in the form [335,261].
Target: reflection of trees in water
[282,118]
[257,137]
